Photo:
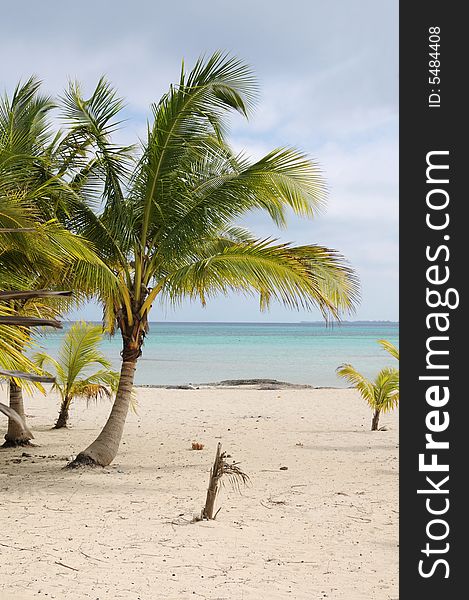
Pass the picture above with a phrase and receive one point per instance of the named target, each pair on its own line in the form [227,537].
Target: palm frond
[79,350]
[381,394]
[363,385]
[13,342]
[184,120]
[217,190]
[387,389]
[91,392]
[390,348]
[296,277]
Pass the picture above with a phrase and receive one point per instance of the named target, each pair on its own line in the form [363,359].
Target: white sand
[324,528]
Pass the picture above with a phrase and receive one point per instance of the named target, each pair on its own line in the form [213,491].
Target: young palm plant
[81,369]
[382,394]
[168,230]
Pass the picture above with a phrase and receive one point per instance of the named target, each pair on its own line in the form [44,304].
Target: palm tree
[382,394]
[19,260]
[40,180]
[75,368]
[46,259]
[168,227]
[42,176]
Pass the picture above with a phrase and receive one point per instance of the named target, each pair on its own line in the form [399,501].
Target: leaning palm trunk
[375,420]
[104,449]
[16,435]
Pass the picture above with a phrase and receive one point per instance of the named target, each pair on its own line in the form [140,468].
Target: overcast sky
[329,81]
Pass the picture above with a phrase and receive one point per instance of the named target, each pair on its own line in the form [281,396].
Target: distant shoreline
[203,354]
[251,384]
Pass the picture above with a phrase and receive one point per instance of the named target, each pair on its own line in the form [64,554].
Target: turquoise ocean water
[182,353]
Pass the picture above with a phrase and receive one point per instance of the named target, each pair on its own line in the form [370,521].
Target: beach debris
[197,446]
[273,503]
[221,467]
[57,562]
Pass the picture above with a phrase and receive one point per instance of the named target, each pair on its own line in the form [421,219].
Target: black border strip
[433,124]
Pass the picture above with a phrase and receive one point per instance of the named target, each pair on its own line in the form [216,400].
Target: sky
[328,73]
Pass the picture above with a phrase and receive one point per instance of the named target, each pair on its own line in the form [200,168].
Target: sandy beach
[319,519]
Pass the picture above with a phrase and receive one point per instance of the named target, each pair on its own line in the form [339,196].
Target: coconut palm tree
[20,262]
[24,271]
[39,181]
[168,229]
[81,369]
[33,258]
[382,394]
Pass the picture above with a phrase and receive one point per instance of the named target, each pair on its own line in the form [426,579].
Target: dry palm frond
[235,475]
[92,392]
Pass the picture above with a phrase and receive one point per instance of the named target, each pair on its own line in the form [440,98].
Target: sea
[300,353]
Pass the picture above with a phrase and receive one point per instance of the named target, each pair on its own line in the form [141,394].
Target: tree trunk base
[18,433]
[17,444]
[82,460]
[60,425]
[375,421]
[62,419]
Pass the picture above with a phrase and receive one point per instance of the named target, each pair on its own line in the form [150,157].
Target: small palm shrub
[81,369]
[382,394]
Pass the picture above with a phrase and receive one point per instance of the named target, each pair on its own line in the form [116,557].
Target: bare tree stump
[220,468]
[213,482]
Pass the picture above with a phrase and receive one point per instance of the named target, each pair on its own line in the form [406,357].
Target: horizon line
[334,323]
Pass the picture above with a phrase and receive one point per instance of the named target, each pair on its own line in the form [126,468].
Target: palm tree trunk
[104,449]
[375,420]
[62,419]
[15,435]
